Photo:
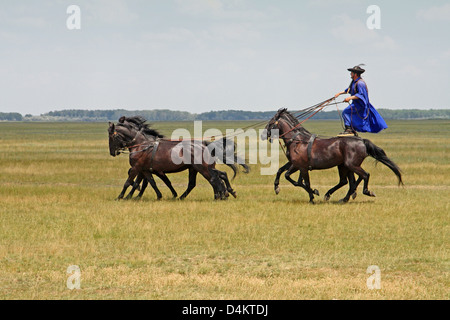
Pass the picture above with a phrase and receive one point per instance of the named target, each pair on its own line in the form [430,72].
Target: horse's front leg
[166,180]
[299,182]
[132,173]
[305,175]
[136,184]
[276,183]
[143,187]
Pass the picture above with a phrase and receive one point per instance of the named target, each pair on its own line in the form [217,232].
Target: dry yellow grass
[58,185]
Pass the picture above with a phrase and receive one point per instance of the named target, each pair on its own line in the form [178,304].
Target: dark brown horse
[153,134]
[223,147]
[150,154]
[305,152]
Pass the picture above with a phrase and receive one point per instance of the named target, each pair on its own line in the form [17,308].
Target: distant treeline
[12,116]
[232,115]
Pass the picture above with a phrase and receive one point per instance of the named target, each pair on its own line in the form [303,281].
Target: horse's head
[272,128]
[119,135]
[139,123]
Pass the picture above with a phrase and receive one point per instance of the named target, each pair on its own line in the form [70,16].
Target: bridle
[129,145]
[295,128]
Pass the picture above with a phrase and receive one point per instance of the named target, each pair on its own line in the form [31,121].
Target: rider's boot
[348,132]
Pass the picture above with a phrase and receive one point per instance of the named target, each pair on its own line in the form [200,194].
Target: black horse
[306,152]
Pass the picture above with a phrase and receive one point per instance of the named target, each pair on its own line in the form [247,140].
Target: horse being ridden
[306,152]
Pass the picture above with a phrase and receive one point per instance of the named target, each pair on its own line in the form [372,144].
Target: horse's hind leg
[364,176]
[356,184]
[166,180]
[343,172]
[351,189]
[192,183]
[220,191]
[212,176]
[223,175]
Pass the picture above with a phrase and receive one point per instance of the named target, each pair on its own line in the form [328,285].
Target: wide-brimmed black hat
[357,69]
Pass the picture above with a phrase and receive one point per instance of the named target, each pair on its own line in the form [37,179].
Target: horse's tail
[378,154]
[226,150]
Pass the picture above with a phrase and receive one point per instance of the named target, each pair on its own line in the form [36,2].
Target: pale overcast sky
[201,55]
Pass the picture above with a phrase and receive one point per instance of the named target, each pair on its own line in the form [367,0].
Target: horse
[306,152]
[131,135]
[221,146]
[141,178]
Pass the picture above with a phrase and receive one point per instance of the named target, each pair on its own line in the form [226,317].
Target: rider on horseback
[360,115]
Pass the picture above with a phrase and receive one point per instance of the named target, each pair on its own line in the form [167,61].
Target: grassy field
[57,190]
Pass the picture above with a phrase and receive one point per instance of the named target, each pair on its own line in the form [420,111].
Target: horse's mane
[139,123]
[286,115]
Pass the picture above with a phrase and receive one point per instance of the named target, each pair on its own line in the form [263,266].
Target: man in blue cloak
[360,115]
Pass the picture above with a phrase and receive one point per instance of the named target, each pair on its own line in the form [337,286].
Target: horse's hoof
[118,199]
[233,193]
[354,195]
[312,202]
[158,199]
[342,201]
[316,192]
[369,193]
[227,194]
[277,190]
[327,197]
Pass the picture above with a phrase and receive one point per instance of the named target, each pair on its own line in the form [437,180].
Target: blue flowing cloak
[361,115]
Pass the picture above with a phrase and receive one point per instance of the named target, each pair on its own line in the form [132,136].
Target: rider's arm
[351,98]
[338,94]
